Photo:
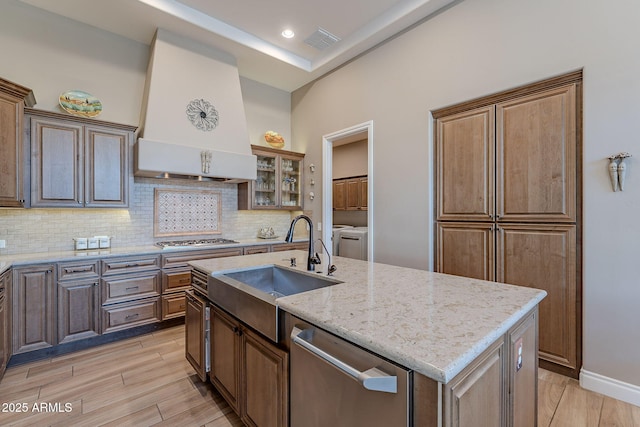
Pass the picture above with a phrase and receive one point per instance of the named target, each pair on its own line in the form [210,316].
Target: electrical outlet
[319,226]
[3,244]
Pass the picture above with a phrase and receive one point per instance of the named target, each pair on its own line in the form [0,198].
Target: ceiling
[251,29]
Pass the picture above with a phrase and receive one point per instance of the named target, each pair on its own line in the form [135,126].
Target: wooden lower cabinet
[266,379]
[466,249]
[78,310]
[303,246]
[33,308]
[116,317]
[249,371]
[225,356]
[5,329]
[544,257]
[476,396]
[500,387]
[195,333]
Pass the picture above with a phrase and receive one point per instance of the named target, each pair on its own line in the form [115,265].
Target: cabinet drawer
[182,259]
[127,315]
[176,280]
[131,264]
[262,249]
[173,305]
[128,288]
[78,270]
[290,246]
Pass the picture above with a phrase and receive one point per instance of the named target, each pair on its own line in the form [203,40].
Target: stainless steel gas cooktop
[174,244]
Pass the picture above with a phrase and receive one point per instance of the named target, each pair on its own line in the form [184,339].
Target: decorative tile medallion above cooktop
[186,212]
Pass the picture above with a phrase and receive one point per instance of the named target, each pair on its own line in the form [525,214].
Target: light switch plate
[3,244]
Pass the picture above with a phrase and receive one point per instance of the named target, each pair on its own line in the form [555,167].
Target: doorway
[354,134]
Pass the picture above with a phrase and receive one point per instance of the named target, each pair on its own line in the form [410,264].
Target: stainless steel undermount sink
[250,295]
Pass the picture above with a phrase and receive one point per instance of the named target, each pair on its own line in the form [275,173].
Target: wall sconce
[312,168]
[618,170]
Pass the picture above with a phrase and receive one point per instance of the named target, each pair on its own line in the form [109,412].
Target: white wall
[350,160]
[476,48]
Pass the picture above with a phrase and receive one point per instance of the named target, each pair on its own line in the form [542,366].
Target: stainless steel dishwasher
[335,383]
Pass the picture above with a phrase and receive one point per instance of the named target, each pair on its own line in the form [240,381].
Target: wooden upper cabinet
[465,165]
[353,194]
[56,169]
[13,150]
[106,159]
[536,157]
[78,162]
[339,195]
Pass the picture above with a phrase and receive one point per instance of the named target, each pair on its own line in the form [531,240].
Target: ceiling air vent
[321,39]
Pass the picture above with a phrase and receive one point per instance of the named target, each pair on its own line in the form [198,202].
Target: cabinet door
[11,151]
[266,186]
[544,257]
[339,195]
[107,167]
[33,302]
[78,310]
[56,167]
[290,182]
[265,382]
[536,157]
[465,150]
[225,357]
[466,249]
[364,193]
[476,396]
[353,194]
[195,333]
[4,325]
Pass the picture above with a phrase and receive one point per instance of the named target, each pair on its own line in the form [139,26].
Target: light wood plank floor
[146,381]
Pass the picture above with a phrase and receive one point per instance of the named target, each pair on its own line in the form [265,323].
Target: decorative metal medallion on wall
[202,115]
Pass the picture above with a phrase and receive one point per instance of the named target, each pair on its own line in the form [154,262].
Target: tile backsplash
[45,230]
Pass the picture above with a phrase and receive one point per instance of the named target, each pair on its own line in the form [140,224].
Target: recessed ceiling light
[288,34]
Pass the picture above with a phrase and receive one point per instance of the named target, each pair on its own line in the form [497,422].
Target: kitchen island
[449,331]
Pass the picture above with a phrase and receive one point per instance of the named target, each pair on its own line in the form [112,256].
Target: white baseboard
[610,387]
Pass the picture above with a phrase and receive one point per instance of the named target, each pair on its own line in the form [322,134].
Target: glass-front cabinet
[278,184]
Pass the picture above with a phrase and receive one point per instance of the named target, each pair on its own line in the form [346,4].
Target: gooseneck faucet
[330,267]
[311,259]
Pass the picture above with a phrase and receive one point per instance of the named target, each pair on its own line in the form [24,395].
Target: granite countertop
[433,323]
[8,261]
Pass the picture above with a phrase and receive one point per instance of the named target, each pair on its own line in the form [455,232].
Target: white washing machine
[354,243]
[335,237]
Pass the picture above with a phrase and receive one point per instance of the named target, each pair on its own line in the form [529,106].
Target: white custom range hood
[193,120]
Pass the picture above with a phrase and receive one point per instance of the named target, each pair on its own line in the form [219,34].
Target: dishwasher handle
[372,379]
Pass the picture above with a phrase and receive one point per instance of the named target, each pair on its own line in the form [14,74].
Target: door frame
[327,181]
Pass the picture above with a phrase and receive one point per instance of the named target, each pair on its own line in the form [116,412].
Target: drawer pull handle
[131,316]
[133,288]
[78,269]
[186,280]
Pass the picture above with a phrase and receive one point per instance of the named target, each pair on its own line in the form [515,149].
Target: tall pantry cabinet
[508,201]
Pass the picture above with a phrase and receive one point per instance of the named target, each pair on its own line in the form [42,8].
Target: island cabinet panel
[195,334]
[265,382]
[522,366]
[250,372]
[225,356]
[476,396]
[514,158]
[33,297]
